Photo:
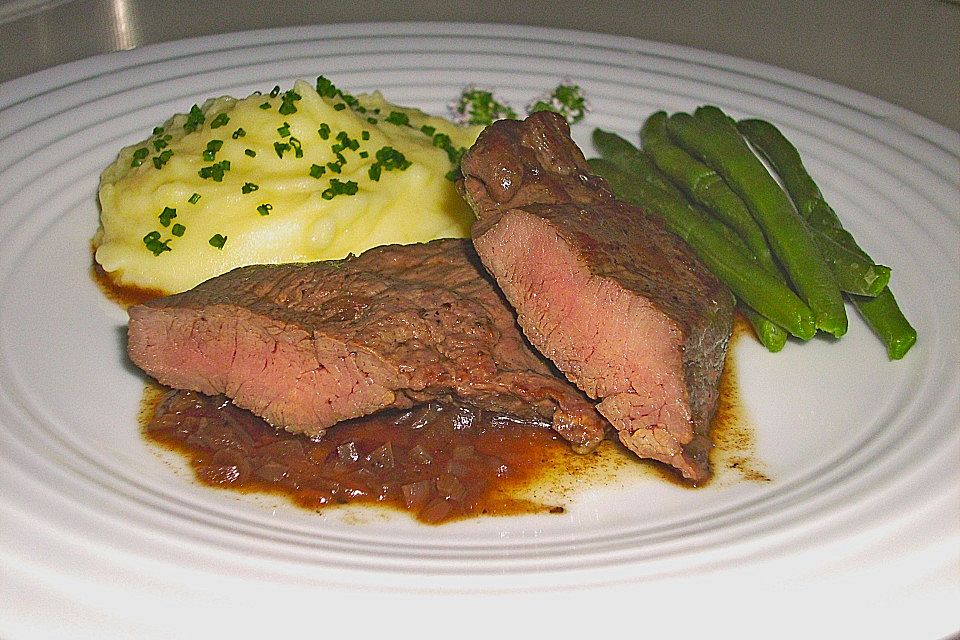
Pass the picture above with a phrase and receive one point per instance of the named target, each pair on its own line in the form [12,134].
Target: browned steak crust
[619,304]
[307,345]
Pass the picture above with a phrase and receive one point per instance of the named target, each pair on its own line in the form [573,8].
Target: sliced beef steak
[619,304]
[308,345]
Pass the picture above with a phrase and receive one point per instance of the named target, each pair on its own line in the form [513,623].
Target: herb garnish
[338,188]
[167,215]
[153,244]
[194,119]
[219,121]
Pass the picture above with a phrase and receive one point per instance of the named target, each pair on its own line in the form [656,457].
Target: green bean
[884,317]
[785,160]
[770,334]
[722,148]
[703,186]
[882,313]
[625,155]
[856,272]
[711,240]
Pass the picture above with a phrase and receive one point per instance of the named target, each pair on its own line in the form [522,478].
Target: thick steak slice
[619,304]
[307,345]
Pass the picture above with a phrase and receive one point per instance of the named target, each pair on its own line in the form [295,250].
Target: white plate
[99,536]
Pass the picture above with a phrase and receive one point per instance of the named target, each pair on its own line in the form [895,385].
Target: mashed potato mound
[308,174]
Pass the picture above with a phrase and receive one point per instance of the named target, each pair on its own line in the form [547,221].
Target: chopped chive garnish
[287,105]
[153,244]
[338,188]
[248,187]
[215,171]
[372,120]
[194,199]
[217,241]
[167,215]
[344,141]
[280,148]
[363,154]
[163,158]
[265,209]
[160,143]
[324,131]
[284,131]
[428,130]
[275,91]
[219,121]
[297,147]
[265,105]
[239,133]
[339,106]
[364,135]
[316,171]
[250,152]
[139,156]
[388,159]
[398,118]
[178,229]
[210,153]
[194,119]
[157,131]
[326,88]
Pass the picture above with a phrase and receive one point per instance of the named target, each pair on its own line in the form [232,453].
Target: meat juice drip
[440,462]
[123,296]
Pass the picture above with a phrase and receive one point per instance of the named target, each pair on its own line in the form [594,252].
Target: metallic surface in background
[904,52]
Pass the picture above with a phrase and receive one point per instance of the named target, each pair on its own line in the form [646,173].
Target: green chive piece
[326,88]
[265,209]
[194,119]
[338,188]
[167,215]
[250,152]
[219,121]
[194,199]
[210,153]
[152,242]
[249,187]
[287,104]
[324,131]
[178,229]
[163,158]
[215,171]
[316,171]
[398,118]
[217,241]
[139,156]
[239,133]
[284,131]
